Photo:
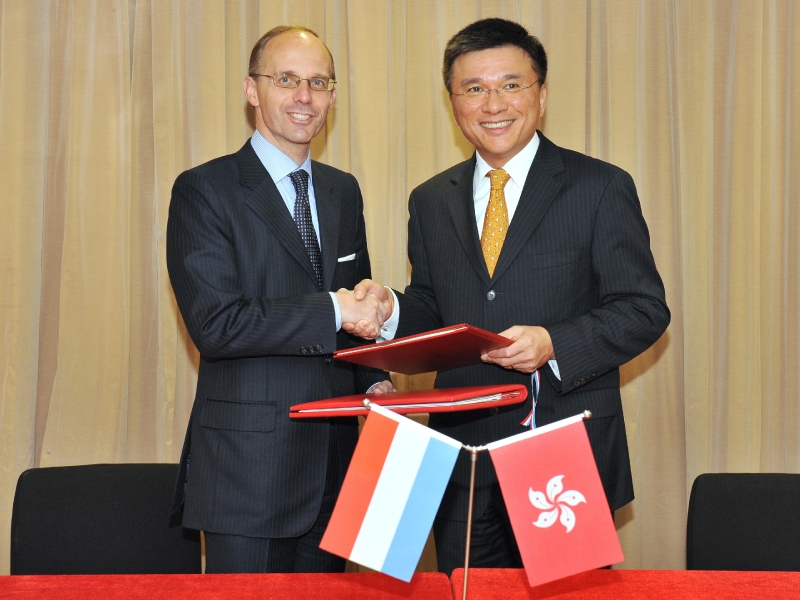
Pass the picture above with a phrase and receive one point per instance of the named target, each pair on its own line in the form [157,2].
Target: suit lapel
[266,202]
[329,211]
[462,210]
[541,187]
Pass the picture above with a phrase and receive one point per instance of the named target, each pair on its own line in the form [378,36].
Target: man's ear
[250,92]
[333,97]
[542,99]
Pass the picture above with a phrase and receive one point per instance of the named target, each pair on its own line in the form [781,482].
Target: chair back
[744,522]
[96,519]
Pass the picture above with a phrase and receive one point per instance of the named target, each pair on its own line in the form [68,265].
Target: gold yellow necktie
[495,223]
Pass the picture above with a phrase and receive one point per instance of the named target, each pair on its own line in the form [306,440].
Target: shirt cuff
[554,366]
[389,328]
[337,311]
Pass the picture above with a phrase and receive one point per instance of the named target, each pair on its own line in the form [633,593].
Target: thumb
[361,289]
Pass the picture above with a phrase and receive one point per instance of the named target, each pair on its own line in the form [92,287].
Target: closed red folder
[421,401]
[447,348]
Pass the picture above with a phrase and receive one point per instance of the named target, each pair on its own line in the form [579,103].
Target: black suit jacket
[577,261]
[249,298]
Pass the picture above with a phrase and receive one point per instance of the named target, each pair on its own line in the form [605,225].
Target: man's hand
[363,317]
[532,348]
[367,286]
[383,387]
[364,289]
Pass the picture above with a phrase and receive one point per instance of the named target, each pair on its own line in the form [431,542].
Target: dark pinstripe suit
[577,261]
[247,293]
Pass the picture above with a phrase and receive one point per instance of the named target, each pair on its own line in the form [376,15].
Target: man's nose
[303,91]
[495,101]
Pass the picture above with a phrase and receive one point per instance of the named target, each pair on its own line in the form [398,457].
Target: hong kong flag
[555,499]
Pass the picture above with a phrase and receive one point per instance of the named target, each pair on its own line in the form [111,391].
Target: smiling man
[257,242]
[546,246]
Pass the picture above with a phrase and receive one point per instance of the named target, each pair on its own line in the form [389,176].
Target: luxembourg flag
[391,493]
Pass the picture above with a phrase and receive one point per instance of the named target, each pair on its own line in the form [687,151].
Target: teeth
[300,117]
[496,125]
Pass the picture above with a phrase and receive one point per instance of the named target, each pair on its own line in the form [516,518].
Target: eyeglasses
[476,93]
[317,84]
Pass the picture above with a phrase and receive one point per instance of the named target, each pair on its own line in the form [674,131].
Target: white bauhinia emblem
[558,502]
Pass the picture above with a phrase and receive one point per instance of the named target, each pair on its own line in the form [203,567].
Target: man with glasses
[257,244]
[546,246]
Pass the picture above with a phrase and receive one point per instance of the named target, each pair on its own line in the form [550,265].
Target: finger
[360,291]
[369,329]
[383,387]
[502,353]
[367,286]
[511,333]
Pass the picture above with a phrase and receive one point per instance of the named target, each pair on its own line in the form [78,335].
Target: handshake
[365,309]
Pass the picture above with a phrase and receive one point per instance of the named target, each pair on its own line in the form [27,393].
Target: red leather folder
[422,401]
[437,350]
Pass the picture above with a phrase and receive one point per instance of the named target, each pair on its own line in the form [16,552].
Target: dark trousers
[493,543]
[242,554]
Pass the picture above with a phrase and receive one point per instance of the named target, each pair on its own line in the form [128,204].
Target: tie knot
[498,178]
[300,180]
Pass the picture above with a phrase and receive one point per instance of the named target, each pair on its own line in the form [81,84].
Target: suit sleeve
[202,265]
[631,312]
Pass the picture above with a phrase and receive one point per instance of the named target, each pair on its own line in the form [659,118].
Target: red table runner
[484,584]
[512,584]
[273,586]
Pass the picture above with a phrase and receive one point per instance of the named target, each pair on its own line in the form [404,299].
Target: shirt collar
[277,164]
[517,167]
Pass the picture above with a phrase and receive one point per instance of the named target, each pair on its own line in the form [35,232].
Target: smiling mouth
[499,125]
[299,117]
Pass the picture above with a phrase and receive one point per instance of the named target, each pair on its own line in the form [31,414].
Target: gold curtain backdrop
[104,102]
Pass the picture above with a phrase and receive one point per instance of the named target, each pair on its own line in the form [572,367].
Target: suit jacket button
[491,295]
[319,348]
[493,411]
[577,383]
[303,350]
[327,360]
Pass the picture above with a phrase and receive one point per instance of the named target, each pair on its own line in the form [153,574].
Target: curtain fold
[104,103]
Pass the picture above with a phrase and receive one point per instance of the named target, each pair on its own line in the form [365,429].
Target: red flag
[555,500]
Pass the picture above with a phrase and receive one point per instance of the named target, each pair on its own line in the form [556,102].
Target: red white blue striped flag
[391,494]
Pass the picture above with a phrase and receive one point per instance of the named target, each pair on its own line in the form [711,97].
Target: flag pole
[473,451]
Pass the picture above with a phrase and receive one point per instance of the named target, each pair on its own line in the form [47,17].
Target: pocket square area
[346,258]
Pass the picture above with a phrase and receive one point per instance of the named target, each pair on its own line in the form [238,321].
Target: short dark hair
[258,49]
[493,33]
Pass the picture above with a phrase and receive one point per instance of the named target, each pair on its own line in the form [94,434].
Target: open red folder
[437,350]
[421,401]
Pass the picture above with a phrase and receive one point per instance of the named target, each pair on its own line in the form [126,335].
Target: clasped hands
[370,304]
[365,309]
